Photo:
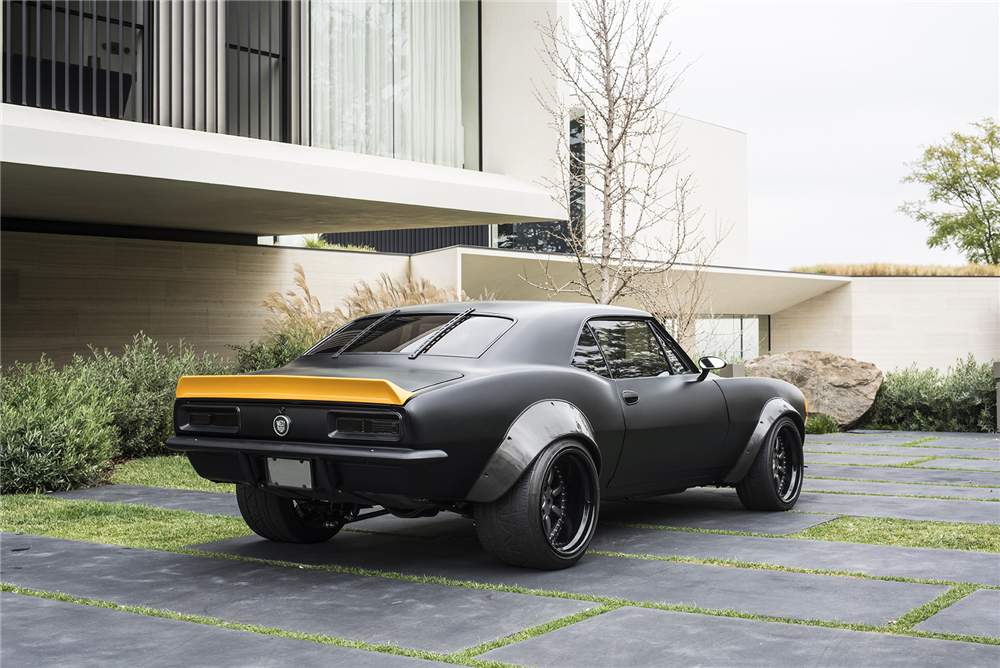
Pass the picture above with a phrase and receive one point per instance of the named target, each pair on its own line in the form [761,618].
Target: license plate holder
[292,473]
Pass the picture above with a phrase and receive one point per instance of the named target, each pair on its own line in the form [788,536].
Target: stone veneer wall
[61,293]
[894,321]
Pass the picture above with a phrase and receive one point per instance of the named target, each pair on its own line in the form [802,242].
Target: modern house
[152,151]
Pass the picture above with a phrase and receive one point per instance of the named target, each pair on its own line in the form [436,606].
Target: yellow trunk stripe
[308,388]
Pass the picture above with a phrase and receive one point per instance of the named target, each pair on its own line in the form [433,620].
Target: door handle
[630,397]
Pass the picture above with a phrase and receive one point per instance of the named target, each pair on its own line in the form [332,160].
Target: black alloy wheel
[547,519]
[774,480]
[786,464]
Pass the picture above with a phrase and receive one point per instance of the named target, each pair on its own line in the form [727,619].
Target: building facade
[148,148]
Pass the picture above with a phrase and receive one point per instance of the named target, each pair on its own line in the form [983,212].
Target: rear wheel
[546,520]
[774,480]
[287,520]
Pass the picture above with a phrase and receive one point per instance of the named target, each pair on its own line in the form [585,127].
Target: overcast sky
[835,98]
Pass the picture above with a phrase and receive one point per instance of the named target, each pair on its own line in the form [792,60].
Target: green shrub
[56,432]
[276,350]
[961,399]
[138,386]
[821,423]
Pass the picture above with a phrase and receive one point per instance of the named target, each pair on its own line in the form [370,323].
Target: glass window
[588,354]
[631,348]
[387,78]
[675,355]
[406,334]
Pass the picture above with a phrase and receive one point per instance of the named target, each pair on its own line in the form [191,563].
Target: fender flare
[535,428]
[773,409]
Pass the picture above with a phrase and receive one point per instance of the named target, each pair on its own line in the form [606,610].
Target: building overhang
[71,167]
[506,274]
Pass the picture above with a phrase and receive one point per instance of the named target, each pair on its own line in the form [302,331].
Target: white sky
[835,98]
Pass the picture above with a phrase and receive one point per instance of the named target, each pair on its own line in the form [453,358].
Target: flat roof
[72,167]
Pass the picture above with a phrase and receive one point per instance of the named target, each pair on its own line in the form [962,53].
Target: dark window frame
[320,349]
[607,367]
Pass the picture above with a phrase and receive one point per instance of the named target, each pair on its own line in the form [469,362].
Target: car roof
[546,332]
[525,309]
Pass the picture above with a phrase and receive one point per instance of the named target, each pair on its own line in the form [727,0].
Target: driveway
[669,581]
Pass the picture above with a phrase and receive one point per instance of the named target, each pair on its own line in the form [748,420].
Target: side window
[674,354]
[631,348]
[588,355]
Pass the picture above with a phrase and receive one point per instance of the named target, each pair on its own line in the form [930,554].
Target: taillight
[209,419]
[367,426]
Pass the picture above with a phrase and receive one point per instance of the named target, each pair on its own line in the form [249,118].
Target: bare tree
[637,223]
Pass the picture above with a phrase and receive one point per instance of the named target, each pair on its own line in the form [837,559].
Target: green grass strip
[903,496]
[906,533]
[875,531]
[927,610]
[125,524]
[903,482]
[172,471]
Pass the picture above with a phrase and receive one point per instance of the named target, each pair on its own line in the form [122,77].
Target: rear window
[406,334]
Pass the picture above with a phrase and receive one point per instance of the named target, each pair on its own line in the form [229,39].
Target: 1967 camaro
[521,415]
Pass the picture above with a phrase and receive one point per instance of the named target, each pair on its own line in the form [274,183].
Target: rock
[841,387]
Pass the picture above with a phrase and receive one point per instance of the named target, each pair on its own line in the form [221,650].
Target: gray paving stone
[638,637]
[917,435]
[869,439]
[864,460]
[55,634]
[377,610]
[912,452]
[225,504]
[938,477]
[716,587]
[878,560]
[899,489]
[947,463]
[209,503]
[682,511]
[935,510]
[978,614]
[969,443]
[882,560]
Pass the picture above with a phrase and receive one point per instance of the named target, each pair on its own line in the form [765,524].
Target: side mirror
[710,364]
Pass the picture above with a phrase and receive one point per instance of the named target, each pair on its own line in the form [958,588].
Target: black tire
[546,520]
[774,480]
[286,520]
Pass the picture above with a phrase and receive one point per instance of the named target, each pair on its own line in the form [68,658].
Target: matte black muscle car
[521,415]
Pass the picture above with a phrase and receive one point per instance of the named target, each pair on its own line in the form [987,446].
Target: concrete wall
[928,320]
[717,157]
[517,139]
[896,321]
[61,293]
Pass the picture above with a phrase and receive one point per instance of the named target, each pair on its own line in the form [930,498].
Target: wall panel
[62,293]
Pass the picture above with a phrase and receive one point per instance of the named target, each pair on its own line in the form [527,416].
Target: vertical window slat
[66,50]
[259,61]
[52,66]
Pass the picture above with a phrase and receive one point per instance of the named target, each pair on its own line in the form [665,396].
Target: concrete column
[734,371]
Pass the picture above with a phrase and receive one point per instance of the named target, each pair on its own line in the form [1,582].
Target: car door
[675,425]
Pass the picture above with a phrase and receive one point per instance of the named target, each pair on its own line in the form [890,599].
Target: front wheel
[546,520]
[775,477]
[287,520]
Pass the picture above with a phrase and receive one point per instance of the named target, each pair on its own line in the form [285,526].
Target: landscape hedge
[963,398]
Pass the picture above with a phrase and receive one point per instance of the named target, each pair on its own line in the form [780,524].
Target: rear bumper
[336,469]
[354,454]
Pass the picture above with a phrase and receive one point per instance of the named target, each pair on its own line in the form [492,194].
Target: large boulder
[841,387]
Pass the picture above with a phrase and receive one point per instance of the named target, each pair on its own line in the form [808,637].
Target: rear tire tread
[273,517]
